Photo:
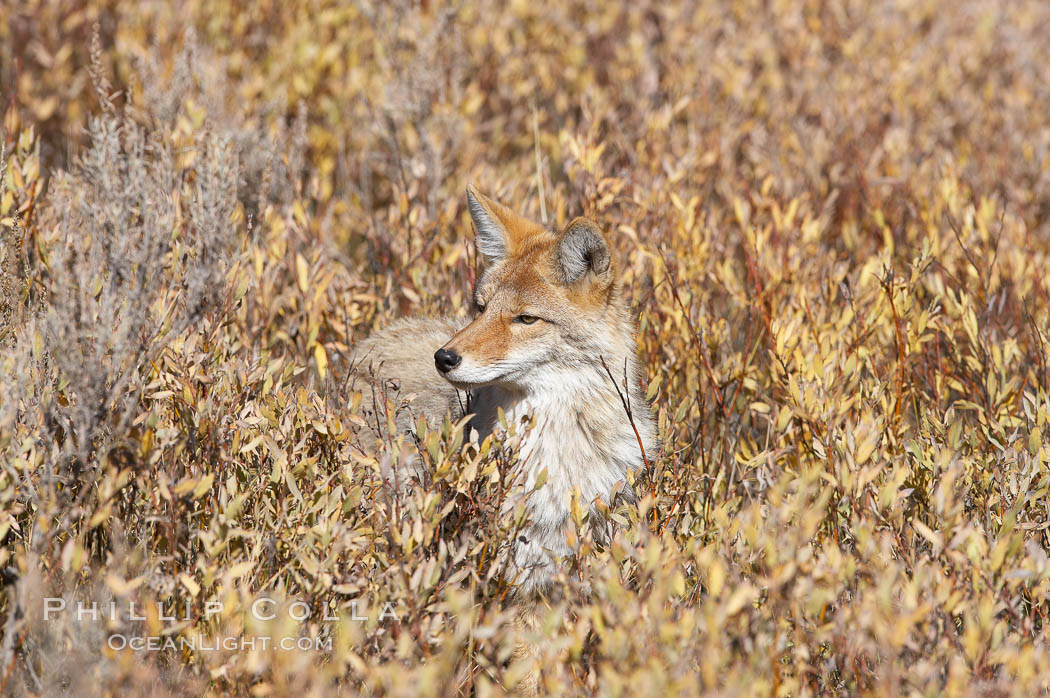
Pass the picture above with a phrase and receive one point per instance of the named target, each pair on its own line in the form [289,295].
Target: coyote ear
[499,230]
[583,248]
[492,236]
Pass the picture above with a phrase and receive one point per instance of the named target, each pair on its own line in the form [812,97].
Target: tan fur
[397,364]
[554,370]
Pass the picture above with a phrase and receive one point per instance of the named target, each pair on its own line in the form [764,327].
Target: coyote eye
[478,306]
[526,319]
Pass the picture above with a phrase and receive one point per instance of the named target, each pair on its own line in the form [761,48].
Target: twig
[630,418]
[887,285]
[539,173]
[958,237]
[696,340]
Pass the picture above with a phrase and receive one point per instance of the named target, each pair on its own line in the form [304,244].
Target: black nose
[446,360]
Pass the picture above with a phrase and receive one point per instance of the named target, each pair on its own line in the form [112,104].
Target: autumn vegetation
[833,220]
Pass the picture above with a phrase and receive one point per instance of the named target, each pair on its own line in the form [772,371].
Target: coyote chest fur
[553,341]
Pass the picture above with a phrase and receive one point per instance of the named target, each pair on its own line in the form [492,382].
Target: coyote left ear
[583,248]
[499,230]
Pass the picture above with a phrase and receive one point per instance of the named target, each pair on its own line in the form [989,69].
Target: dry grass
[835,224]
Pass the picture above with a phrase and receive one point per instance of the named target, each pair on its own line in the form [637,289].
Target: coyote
[553,339]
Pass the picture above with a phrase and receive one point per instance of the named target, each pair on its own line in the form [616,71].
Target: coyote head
[547,302]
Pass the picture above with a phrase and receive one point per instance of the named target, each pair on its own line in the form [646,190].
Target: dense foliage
[834,224]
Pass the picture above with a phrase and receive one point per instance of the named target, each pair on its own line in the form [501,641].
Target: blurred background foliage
[834,219]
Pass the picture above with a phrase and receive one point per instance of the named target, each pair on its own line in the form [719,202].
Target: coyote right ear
[498,229]
[583,249]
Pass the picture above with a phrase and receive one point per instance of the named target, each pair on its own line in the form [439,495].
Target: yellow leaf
[120,586]
[866,447]
[302,272]
[935,539]
[240,569]
[190,583]
[321,358]
[185,486]
[250,446]
[740,598]
[203,486]
[678,584]
[716,578]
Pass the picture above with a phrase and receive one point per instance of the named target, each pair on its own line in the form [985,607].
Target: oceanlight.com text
[155,643]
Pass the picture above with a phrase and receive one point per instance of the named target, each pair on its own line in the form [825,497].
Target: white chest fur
[584,441]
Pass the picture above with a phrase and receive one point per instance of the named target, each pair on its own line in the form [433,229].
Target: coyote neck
[581,422]
[584,440]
